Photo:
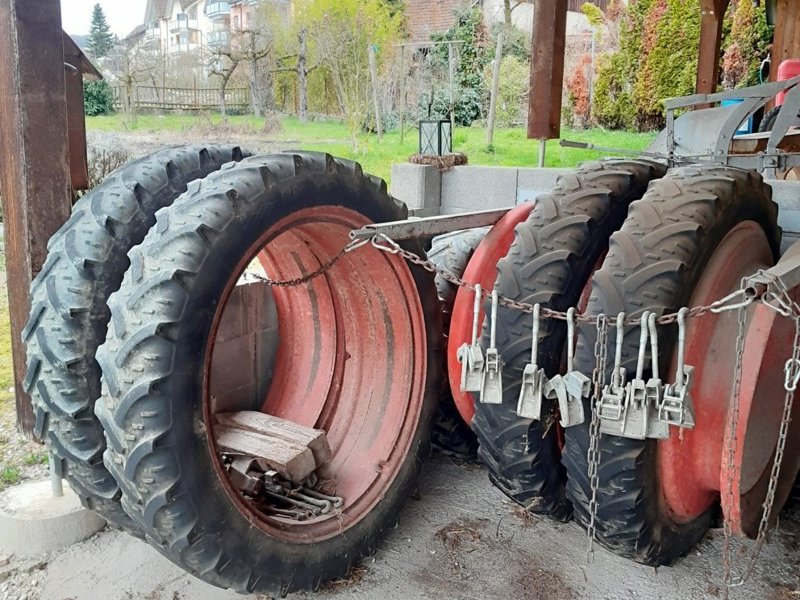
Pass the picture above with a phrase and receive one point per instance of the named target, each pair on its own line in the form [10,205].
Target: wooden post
[713,12]
[498,58]
[451,65]
[376,103]
[786,43]
[402,93]
[34,167]
[547,69]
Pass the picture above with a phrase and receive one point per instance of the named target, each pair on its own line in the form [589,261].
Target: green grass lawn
[511,146]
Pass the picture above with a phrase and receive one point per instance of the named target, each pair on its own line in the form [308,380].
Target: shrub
[578,111]
[746,45]
[98,98]
[512,96]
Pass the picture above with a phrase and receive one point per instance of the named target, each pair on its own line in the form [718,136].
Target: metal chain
[731,302]
[783,304]
[593,455]
[324,268]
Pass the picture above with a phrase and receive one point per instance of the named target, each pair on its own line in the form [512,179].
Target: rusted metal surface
[34,167]
[547,69]
[352,360]
[693,463]
[482,269]
[713,12]
[430,226]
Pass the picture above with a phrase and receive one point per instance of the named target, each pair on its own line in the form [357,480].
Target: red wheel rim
[693,466]
[352,361]
[482,269]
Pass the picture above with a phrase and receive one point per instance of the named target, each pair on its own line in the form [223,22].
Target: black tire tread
[137,409]
[86,260]
[550,261]
[654,263]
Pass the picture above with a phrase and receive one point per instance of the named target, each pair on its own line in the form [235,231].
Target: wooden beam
[76,114]
[34,171]
[713,13]
[786,43]
[547,69]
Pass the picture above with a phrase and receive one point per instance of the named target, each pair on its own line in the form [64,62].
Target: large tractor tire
[86,260]
[452,252]
[553,256]
[688,242]
[359,358]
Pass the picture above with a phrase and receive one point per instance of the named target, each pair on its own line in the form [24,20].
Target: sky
[122,15]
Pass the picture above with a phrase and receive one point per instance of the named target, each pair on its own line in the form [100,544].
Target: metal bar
[625,151]
[426,44]
[787,270]
[429,226]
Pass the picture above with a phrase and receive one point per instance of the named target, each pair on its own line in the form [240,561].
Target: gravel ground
[461,540]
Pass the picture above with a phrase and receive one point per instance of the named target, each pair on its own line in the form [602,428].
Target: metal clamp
[529,405]
[471,355]
[654,389]
[492,383]
[612,400]
[633,423]
[676,407]
[578,386]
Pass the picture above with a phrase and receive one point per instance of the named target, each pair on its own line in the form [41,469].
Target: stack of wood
[293,451]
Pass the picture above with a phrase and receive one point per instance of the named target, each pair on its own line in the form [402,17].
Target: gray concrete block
[419,186]
[532,182]
[33,521]
[479,188]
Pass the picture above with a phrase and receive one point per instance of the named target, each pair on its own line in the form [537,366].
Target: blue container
[746,126]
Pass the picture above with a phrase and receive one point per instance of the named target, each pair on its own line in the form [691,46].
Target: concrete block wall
[463,189]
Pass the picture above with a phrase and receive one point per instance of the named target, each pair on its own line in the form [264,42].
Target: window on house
[237,22]
[193,12]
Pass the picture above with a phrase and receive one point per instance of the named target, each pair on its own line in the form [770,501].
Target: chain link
[593,455]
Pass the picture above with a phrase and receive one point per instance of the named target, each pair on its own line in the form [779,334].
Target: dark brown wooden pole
[34,168]
[547,69]
[713,13]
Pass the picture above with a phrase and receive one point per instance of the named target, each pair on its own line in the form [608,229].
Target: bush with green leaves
[98,98]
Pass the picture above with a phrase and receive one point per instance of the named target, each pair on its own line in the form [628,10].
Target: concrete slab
[532,182]
[419,186]
[478,188]
[463,540]
[33,521]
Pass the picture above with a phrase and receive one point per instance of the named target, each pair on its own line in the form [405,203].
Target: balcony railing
[218,39]
[218,10]
[182,25]
[152,34]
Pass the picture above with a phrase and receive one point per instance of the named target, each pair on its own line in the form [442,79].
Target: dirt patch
[540,584]
[456,534]
[354,577]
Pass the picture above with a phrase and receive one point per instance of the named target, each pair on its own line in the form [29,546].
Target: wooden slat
[76,114]
[293,462]
[713,12]
[547,69]
[34,167]
[280,429]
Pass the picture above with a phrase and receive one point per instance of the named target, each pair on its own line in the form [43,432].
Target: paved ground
[461,540]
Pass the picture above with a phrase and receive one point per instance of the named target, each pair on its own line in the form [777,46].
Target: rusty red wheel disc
[693,465]
[352,359]
[482,269]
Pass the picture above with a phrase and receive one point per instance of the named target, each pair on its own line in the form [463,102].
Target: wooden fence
[154,98]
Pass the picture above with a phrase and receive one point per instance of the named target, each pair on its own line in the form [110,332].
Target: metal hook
[535,336]
[616,378]
[680,377]
[642,344]
[570,337]
[493,328]
[476,310]
[653,344]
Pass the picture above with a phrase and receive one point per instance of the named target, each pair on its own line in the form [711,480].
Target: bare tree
[302,70]
[509,6]
[135,63]
[224,63]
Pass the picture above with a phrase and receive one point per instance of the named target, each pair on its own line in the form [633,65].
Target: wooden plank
[713,12]
[293,462]
[547,69]
[76,115]
[34,165]
[280,429]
